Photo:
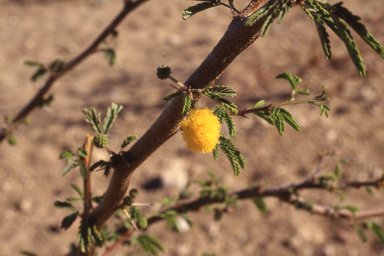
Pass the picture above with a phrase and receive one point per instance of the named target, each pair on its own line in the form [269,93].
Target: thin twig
[284,193]
[128,7]
[121,240]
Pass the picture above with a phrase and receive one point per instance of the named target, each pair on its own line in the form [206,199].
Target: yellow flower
[201,130]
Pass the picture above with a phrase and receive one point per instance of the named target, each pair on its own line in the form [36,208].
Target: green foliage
[112,113]
[170,219]
[260,204]
[209,254]
[376,229]
[27,253]
[69,219]
[46,101]
[64,205]
[149,244]
[353,209]
[187,13]
[12,140]
[136,214]
[40,72]
[78,190]
[187,104]
[102,165]
[361,233]
[223,115]
[56,66]
[270,11]
[110,56]
[233,154]
[71,164]
[171,96]
[325,14]
[87,235]
[93,118]
[216,93]
[369,191]
[293,80]
[360,29]
[127,141]
[304,205]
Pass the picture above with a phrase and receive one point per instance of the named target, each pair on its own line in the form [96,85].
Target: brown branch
[235,40]
[285,194]
[128,7]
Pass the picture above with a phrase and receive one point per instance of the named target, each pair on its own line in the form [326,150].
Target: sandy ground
[155,34]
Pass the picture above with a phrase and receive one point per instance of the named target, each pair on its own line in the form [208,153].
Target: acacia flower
[201,130]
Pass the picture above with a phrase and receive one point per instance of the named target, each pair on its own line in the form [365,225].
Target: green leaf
[324,36]
[361,233]
[66,154]
[233,154]
[170,219]
[64,205]
[72,163]
[93,119]
[268,12]
[303,91]
[260,204]
[112,113]
[69,219]
[96,237]
[289,119]
[187,13]
[83,169]
[216,153]
[378,231]
[353,209]
[339,171]
[102,164]
[222,114]
[293,80]
[369,191]
[360,29]
[110,56]
[149,244]
[78,189]
[171,96]
[40,72]
[56,66]
[279,120]
[46,101]
[341,30]
[187,104]
[82,152]
[216,96]
[128,140]
[27,253]
[260,104]
[222,90]
[73,199]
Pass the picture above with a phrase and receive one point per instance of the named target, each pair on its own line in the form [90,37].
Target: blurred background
[153,35]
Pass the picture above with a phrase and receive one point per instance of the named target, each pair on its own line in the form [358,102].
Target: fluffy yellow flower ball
[201,130]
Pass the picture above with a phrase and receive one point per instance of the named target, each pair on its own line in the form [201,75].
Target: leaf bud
[100,140]
[163,72]
[128,201]
[133,193]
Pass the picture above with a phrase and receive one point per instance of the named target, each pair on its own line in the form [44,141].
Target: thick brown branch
[236,39]
[128,7]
